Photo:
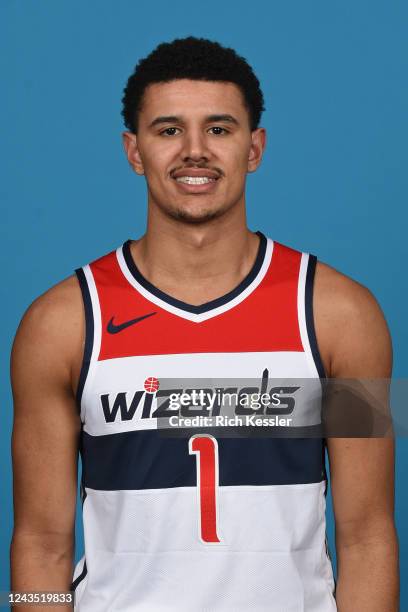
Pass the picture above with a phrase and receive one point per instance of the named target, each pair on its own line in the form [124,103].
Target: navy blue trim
[89,334]
[133,269]
[324,447]
[83,496]
[144,459]
[311,267]
[326,541]
[79,578]
[83,491]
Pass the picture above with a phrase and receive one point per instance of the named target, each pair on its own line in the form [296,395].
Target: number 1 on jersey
[205,448]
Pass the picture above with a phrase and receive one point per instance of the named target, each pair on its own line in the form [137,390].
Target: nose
[195,146]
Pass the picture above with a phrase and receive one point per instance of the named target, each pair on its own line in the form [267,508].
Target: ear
[132,152]
[258,144]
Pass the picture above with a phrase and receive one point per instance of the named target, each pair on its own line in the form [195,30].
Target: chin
[189,215]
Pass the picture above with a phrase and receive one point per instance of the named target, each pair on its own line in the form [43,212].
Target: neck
[196,262]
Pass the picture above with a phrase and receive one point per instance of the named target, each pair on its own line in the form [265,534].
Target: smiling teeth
[194,180]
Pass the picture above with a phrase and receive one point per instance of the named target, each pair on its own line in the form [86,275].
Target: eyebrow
[226,118]
[177,119]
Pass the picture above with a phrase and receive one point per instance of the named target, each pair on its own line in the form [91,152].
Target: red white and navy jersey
[198,522]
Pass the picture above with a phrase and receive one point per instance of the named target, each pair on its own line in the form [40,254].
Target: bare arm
[355,341]
[45,441]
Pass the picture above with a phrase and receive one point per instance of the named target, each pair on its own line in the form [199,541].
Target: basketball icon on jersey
[151,384]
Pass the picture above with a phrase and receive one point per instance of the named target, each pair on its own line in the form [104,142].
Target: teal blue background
[333,180]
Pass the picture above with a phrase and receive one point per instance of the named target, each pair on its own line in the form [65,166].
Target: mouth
[195,180]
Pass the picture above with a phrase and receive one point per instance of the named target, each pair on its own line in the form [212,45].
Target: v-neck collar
[209,309]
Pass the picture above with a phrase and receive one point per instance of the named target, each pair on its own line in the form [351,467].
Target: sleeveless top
[197,520]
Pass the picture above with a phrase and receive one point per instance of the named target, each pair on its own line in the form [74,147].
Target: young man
[198,522]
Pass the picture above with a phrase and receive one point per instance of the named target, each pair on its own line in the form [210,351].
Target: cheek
[158,161]
[236,155]
[237,167]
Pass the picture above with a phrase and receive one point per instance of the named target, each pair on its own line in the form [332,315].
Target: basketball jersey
[198,522]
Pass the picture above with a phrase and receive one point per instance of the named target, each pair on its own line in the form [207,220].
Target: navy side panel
[79,579]
[311,267]
[89,334]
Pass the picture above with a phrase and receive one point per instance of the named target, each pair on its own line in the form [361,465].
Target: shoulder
[53,308]
[351,329]
[50,333]
[341,294]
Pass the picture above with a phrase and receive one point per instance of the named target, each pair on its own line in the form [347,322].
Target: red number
[205,448]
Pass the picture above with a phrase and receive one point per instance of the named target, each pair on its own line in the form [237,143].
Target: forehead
[198,98]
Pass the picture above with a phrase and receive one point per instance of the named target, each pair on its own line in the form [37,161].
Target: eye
[219,130]
[170,131]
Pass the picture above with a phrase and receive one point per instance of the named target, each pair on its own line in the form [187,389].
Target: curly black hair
[191,58]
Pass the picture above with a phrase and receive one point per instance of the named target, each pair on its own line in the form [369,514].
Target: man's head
[192,110]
